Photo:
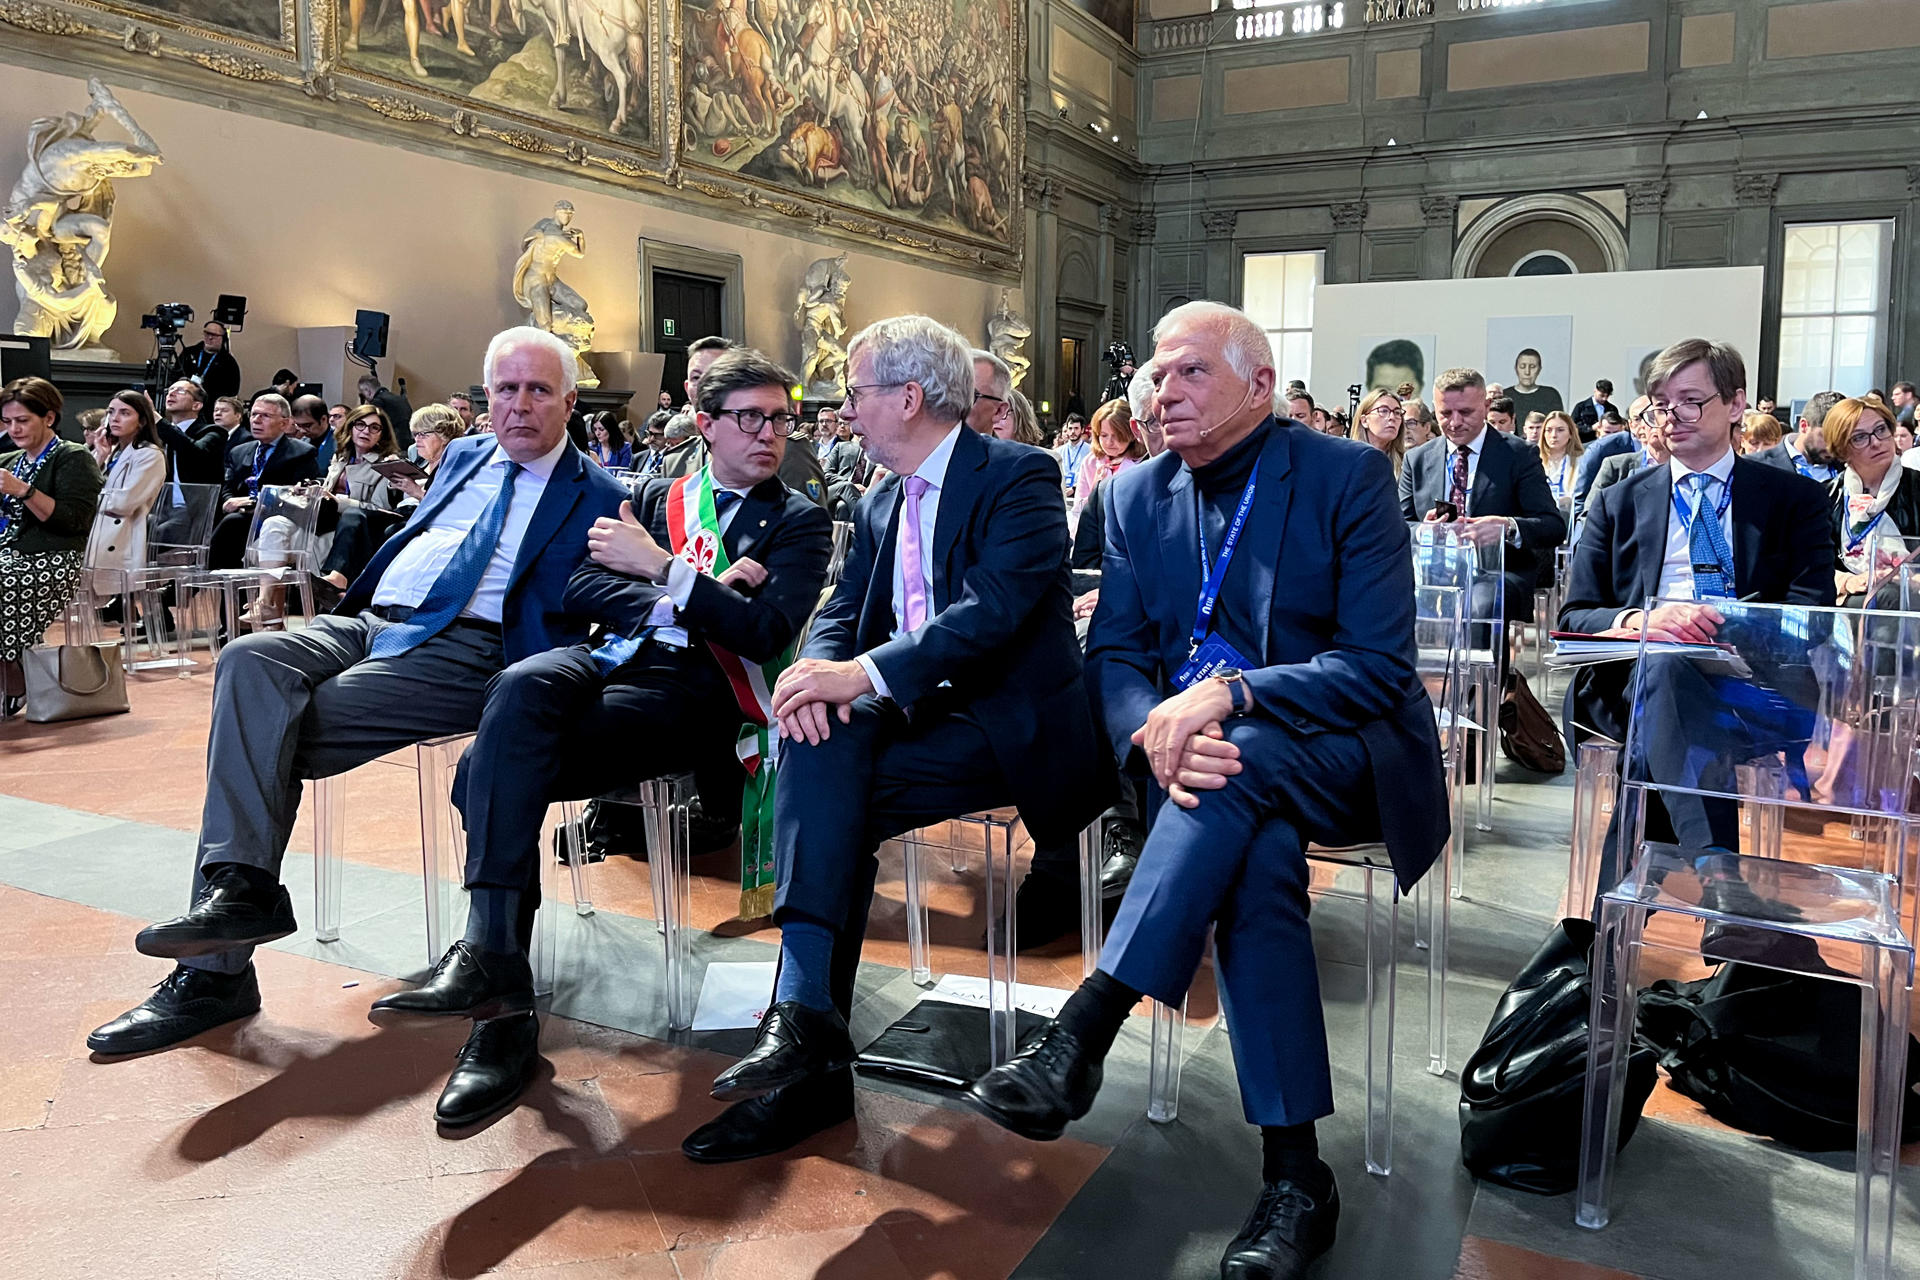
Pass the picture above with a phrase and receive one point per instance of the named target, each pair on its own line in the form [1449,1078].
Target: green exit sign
[666,327]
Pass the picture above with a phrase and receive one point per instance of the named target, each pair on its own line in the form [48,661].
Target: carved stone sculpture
[1007,334]
[551,303]
[818,317]
[58,222]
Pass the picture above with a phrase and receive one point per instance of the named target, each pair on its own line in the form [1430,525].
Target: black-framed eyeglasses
[1684,412]
[1862,439]
[752,422]
[855,392]
[978,396]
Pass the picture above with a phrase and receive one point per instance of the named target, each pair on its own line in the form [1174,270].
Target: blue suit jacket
[1333,576]
[534,619]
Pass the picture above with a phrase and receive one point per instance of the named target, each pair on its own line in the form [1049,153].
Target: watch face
[1227,673]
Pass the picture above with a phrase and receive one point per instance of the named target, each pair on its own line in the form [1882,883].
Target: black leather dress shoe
[773,1122]
[1122,855]
[1045,1086]
[187,1002]
[468,982]
[494,1065]
[229,913]
[795,1043]
[1045,908]
[1288,1229]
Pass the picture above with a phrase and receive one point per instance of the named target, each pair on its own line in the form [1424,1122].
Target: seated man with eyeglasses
[699,588]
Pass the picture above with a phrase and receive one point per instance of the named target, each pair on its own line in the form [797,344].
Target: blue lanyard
[28,470]
[1216,573]
[1857,541]
[1685,512]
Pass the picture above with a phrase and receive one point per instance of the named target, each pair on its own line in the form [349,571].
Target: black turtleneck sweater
[1219,484]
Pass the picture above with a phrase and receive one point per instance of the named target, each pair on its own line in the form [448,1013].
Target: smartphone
[1446,511]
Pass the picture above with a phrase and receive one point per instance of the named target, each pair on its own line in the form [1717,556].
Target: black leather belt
[403,613]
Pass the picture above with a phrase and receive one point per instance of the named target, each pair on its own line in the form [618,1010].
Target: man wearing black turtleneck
[1267,727]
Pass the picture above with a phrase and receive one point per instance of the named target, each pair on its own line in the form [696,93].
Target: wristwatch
[1236,686]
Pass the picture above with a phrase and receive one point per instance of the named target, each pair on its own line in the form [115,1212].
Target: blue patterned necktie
[616,651]
[455,586]
[1707,545]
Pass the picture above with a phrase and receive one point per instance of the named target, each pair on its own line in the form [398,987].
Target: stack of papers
[1572,649]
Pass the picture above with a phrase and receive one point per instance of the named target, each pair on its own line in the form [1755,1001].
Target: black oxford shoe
[494,1065]
[1122,856]
[468,982]
[229,913]
[773,1122]
[187,1002]
[1045,1086]
[795,1042]
[1290,1226]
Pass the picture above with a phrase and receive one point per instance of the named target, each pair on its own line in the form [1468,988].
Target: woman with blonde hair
[1114,449]
[1759,431]
[1021,424]
[1381,422]
[1873,496]
[1560,451]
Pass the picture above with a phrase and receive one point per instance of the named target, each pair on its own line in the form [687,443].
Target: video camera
[167,319]
[1119,354]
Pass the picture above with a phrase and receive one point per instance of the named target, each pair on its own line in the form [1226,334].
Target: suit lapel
[750,523]
[1179,551]
[1492,469]
[1748,531]
[1650,531]
[557,500]
[965,478]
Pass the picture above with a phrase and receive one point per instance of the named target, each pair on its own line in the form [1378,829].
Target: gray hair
[679,426]
[921,350]
[527,336]
[1002,384]
[1459,380]
[1243,343]
[437,419]
[1140,393]
[275,401]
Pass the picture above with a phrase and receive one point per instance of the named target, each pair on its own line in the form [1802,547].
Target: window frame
[1280,248]
[1764,376]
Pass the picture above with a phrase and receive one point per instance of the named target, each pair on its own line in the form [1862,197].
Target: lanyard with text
[260,459]
[1685,512]
[1216,573]
[1855,541]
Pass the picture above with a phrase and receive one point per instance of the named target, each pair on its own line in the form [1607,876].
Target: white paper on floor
[734,996]
[1045,1001]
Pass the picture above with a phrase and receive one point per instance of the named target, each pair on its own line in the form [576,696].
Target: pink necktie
[913,580]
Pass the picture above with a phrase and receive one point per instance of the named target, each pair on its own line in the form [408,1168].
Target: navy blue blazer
[1334,577]
[1000,630]
[1509,481]
[1596,453]
[534,619]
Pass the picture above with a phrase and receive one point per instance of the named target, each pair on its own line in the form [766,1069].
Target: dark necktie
[1457,491]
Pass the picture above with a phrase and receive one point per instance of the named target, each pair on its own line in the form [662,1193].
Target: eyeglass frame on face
[1864,439]
[978,396]
[1389,410]
[855,391]
[1650,416]
[740,420]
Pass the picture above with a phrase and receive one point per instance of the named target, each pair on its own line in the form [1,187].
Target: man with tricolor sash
[699,589]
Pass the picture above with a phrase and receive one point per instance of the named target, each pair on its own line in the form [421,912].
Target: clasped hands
[813,690]
[1185,745]
[625,546]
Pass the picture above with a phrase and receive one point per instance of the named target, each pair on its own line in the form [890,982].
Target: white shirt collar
[934,469]
[541,466]
[1720,470]
[1473,445]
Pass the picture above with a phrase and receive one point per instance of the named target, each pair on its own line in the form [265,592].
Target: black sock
[1293,1151]
[1097,1010]
[493,917]
[260,882]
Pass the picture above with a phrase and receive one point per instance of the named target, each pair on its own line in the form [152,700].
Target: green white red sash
[694,528]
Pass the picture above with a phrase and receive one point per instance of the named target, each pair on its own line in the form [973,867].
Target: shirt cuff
[1620,618]
[873,675]
[680,576]
[662,613]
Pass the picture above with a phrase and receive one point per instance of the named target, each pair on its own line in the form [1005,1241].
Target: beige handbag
[74,682]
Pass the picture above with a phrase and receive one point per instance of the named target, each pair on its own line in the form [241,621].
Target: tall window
[1277,292]
[1833,307]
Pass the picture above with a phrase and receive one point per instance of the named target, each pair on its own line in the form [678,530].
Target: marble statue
[59,222]
[551,303]
[818,317]
[1007,335]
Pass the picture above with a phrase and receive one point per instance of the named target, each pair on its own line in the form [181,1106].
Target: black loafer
[773,1122]
[187,1002]
[493,1066]
[1288,1229]
[795,1042]
[229,913]
[468,982]
[1042,1089]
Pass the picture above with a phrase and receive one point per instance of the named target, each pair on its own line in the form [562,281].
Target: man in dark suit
[652,695]
[799,468]
[1587,414]
[1496,484]
[196,446]
[1615,439]
[1805,451]
[940,678]
[396,406]
[474,580]
[1645,539]
[274,457]
[1300,717]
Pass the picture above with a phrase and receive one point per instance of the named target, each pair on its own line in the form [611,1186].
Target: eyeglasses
[1388,411]
[978,396]
[1861,439]
[752,421]
[1684,412]
[855,392]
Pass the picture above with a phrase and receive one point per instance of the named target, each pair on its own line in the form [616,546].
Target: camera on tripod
[1118,354]
[167,319]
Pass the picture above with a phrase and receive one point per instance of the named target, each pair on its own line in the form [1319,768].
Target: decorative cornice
[46,20]
[1220,222]
[1349,215]
[1039,190]
[1755,188]
[1144,225]
[1647,197]
[1439,211]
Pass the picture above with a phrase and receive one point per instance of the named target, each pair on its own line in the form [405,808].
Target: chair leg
[329,834]
[913,875]
[667,806]
[443,840]
[1610,1023]
[1093,923]
[1383,967]
[574,841]
[1167,1029]
[1002,941]
[1438,908]
[1489,709]
[1884,1005]
[546,943]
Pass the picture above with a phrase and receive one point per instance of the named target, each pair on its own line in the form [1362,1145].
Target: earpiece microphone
[1234,413]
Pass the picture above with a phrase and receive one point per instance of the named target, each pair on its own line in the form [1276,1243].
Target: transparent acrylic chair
[1596,785]
[1484,659]
[280,548]
[1708,722]
[842,540]
[999,831]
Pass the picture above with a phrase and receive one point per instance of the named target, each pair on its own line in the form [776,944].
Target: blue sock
[493,917]
[806,961]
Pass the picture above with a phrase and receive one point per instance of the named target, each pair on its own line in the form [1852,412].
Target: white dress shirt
[1474,446]
[418,566]
[680,578]
[934,472]
[1676,569]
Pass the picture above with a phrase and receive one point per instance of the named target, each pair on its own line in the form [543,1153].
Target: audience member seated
[654,438]
[1652,452]
[1492,484]
[1588,413]
[1420,424]
[844,454]
[1903,443]
[1383,424]
[1709,525]
[230,415]
[992,392]
[800,469]
[1560,448]
[664,687]
[1073,452]
[1759,432]
[313,422]
[610,447]
[49,490]
[482,424]
[435,426]
[1022,424]
[271,458]
[134,465]
[1530,429]
[209,365]
[1500,414]
[1872,496]
[941,677]
[1115,449]
[285,384]
[196,447]
[474,582]
[1614,440]
[1805,450]
[1288,725]
[462,405]
[366,505]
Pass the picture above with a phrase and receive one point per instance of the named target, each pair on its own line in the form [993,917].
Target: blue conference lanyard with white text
[1685,512]
[1205,655]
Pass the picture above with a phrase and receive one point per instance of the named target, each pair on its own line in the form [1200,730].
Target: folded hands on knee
[1185,744]
[812,688]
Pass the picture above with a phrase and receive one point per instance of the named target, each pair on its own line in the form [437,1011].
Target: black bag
[941,1045]
[1522,1093]
[1527,733]
[1772,1053]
